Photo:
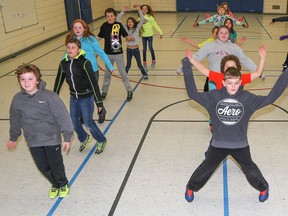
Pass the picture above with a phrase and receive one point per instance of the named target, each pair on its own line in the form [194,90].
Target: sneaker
[146,77]
[103,95]
[100,147]
[102,116]
[84,145]
[284,67]
[263,196]
[153,63]
[179,70]
[263,76]
[53,192]
[64,191]
[129,96]
[145,65]
[211,127]
[189,195]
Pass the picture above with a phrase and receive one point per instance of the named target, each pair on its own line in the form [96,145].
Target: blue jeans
[136,53]
[84,107]
[150,44]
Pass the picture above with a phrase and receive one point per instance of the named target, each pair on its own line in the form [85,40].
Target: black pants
[49,161]
[214,156]
[285,64]
[206,85]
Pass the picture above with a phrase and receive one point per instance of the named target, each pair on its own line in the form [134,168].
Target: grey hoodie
[42,116]
[215,51]
[230,114]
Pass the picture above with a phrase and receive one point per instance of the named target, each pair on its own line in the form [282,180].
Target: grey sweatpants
[119,59]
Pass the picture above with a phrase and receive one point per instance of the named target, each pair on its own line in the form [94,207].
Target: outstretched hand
[262,51]
[126,8]
[271,22]
[137,7]
[245,25]
[194,25]
[185,39]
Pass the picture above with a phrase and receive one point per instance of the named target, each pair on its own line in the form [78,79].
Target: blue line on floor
[225,189]
[59,200]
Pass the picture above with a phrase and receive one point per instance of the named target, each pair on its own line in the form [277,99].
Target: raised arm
[236,22]
[208,20]
[279,19]
[274,94]
[259,70]
[142,19]
[203,98]
[187,40]
[240,41]
[200,67]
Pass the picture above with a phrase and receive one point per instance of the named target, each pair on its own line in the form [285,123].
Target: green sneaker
[53,192]
[100,147]
[64,191]
[129,96]
[84,145]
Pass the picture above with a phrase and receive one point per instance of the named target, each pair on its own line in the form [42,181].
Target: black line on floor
[245,20]
[178,27]
[197,18]
[284,110]
[131,166]
[125,180]
[263,28]
[33,60]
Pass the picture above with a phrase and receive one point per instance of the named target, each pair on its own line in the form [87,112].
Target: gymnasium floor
[155,141]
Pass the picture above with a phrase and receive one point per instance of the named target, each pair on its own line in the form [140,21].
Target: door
[187,5]
[252,6]
[78,9]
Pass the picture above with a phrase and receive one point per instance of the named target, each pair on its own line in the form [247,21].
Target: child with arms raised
[133,28]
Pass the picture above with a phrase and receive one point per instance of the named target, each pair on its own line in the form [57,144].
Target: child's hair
[75,41]
[150,11]
[232,73]
[230,58]
[22,69]
[110,10]
[134,22]
[213,29]
[232,31]
[86,33]
[227,7]
[221,6]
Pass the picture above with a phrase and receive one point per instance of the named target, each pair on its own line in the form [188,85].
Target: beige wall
[157,5]
[99,6]
[52,20]
[270,4]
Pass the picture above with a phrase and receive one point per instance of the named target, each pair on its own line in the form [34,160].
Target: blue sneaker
[189,195]
[263,196]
